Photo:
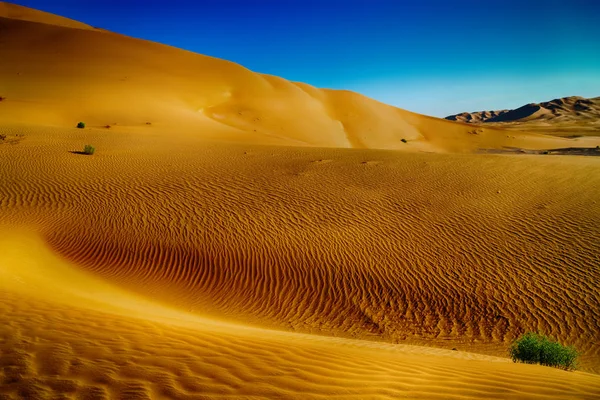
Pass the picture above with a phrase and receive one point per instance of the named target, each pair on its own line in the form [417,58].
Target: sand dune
[239,235]
[567,116]
[53,75]
[572,108]
[13,11]
[94,340]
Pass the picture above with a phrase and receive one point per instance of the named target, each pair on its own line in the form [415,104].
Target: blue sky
[433,57]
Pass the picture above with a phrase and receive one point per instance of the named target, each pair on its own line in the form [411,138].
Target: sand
[570,117]
[240,236]
[52,75]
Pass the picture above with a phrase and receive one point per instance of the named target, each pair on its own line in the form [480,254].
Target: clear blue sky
[434,57]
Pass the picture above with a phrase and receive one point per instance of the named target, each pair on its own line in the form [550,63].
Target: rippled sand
[180,270]
[239,235]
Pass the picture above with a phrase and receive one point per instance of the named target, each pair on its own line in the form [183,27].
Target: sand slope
[54,75]
[91,340]
[239,235]
[13,11]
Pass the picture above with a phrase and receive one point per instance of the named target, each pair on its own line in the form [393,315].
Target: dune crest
[566,108]
[14,11]
[568,116]
[55,75]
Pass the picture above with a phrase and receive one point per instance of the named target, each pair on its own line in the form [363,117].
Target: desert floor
[175,268]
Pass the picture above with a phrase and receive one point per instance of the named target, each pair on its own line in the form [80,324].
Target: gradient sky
[433,57]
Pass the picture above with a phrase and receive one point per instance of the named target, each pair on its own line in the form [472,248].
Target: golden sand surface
[52,75]
[240,236]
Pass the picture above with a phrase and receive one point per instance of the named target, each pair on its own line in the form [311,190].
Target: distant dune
[575,113]
[237,235]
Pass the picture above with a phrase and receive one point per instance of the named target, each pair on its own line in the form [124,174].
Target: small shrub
[546,152]
[81,125]
[89,149]
[404,140]
[2,98]
[2,137]
[533,348]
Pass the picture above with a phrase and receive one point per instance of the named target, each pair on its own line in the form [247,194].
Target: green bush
[89,149]
[533,348]
[81,125]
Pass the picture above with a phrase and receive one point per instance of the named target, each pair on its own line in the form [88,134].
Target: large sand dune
[266,239]
[53,75]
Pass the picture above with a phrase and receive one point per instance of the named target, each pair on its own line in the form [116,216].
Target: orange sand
[266,239]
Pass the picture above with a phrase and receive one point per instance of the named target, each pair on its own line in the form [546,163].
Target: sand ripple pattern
[462,251]
[45,355]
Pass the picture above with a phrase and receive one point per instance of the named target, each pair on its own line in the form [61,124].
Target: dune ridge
[14,11]
[105,79]
[575,115]
[565,108]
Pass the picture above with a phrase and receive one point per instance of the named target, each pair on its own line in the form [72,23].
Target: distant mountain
[566,109]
